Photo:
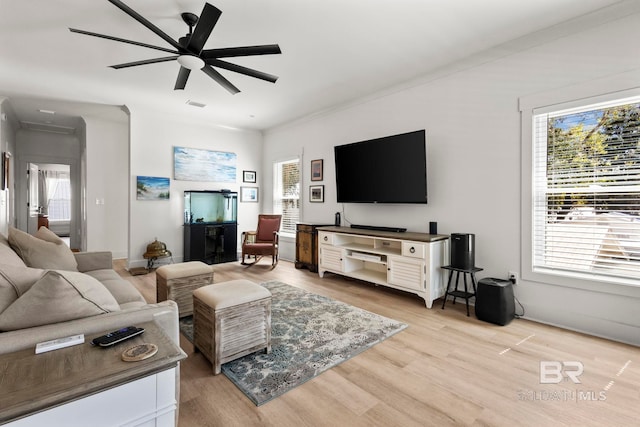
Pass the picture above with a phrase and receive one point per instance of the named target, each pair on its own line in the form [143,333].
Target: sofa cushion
[57,297]
[123,291]
[43,250]
[8,255]
[15,281]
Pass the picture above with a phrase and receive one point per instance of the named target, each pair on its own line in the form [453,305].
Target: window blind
[286,199]
[586,190]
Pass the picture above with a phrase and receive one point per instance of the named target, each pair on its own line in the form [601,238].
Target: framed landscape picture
[316,193]
[193,164]
[316,170]
[249,176]
[249,194]
[152,188]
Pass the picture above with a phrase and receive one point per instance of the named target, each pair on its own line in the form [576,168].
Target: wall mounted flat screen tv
[391,169]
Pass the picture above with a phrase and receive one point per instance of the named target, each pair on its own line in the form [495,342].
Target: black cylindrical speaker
[433,227]
[495,302]
[463,250]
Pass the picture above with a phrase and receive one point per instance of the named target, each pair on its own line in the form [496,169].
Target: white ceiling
[333,51]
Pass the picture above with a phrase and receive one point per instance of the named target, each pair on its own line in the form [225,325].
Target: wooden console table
[85,385]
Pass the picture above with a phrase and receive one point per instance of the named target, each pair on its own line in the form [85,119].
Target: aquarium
[209,207]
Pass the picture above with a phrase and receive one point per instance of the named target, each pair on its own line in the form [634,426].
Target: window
[586,190]
[286,193]
[56,189]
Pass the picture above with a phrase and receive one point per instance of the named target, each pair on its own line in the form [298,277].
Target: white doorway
[53,197]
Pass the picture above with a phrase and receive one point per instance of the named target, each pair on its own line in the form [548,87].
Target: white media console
[407,261]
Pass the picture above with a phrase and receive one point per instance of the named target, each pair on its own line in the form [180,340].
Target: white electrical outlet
[513,276]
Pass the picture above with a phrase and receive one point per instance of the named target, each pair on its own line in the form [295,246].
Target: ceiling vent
[196,104]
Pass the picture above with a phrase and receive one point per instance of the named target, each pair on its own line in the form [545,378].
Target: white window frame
[55,185]
[597,91]
[277,192]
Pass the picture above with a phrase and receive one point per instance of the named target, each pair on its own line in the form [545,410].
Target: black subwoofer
[495,302]
[463,249]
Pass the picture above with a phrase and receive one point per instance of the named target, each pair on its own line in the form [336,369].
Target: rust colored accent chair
[263,241]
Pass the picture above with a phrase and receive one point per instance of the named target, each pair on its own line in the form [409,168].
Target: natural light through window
[286,194]
[57,192]
[586,190]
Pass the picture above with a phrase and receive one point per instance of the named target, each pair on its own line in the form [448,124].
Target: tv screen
[392,169]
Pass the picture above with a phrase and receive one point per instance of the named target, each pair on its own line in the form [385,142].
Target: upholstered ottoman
[230,320]
[178,281]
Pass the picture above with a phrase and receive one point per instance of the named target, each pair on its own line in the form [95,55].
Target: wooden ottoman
[178,281]
[230,320]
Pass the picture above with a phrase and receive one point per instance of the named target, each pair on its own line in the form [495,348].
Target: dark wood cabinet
[307,246]
[211,243]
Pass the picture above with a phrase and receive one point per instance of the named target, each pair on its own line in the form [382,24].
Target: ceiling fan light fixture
[191,62]
[188,50]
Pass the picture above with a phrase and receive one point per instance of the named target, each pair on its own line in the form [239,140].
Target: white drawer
[414,249]
[326,238]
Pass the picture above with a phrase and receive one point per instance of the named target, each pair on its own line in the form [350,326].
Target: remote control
[43,347]
[117,336]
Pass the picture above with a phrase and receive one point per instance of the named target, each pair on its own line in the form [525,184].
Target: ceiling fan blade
[220,79]
[181,81]
[242,70]
[227,52]
[118,39]
[141,19]
[206,22]
[144,62]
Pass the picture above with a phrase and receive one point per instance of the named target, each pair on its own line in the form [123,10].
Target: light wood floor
[444,369]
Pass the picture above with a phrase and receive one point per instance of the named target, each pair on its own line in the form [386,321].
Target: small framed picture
[316,193]
[249,176]
[249,194]
[316,170]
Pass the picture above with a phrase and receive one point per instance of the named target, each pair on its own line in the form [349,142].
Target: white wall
[107,201]
[153,136]
[474,150]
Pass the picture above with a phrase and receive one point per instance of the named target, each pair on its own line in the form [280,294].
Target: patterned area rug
[309,334]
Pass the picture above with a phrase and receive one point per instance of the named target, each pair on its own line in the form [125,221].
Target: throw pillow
[41,253]
[15,281]
[58,296]
[47,235]
[7,254]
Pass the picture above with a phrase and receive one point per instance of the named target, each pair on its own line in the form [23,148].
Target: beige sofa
[49,292]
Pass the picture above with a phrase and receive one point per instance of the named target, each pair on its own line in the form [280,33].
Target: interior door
[32,198]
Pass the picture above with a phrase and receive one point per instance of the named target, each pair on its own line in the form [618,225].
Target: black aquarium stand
[211,243]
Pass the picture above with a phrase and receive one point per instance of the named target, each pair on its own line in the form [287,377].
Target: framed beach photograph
[316,170]
[152,188]
[249,194]
[316,193]
[249,176]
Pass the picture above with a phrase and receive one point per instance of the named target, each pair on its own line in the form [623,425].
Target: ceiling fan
[188,50]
